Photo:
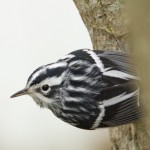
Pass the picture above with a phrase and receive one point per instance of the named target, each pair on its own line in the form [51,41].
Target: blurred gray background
[33,33]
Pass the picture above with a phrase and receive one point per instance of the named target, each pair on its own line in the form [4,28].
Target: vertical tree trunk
[105,19]
[107,24]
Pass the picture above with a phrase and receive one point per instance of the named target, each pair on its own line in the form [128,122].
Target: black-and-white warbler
[88,89]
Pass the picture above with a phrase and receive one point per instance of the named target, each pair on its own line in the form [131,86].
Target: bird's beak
[20,93]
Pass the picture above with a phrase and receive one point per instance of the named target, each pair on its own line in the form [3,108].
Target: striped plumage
[88,89]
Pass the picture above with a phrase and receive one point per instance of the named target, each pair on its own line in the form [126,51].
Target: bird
[88,89]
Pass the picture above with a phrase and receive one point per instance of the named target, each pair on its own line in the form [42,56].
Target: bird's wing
[110,63]
[120,105]
[118,61]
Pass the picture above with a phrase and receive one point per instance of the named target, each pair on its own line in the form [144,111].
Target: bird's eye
[45,87]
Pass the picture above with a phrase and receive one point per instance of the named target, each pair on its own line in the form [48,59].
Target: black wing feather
[123,112]
[119,60]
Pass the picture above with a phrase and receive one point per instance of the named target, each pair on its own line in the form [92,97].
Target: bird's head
[44,83]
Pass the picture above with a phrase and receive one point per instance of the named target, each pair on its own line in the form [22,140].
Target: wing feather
[118,61]
[122,111]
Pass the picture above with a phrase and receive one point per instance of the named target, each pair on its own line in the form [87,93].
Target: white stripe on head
[52,81]
[69,56]
[56,65]
[35,75]
[43,69]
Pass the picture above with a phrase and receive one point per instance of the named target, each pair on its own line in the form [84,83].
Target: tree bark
[105,19]
[107,24]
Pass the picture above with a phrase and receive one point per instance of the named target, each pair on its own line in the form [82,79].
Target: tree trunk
[107,24]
